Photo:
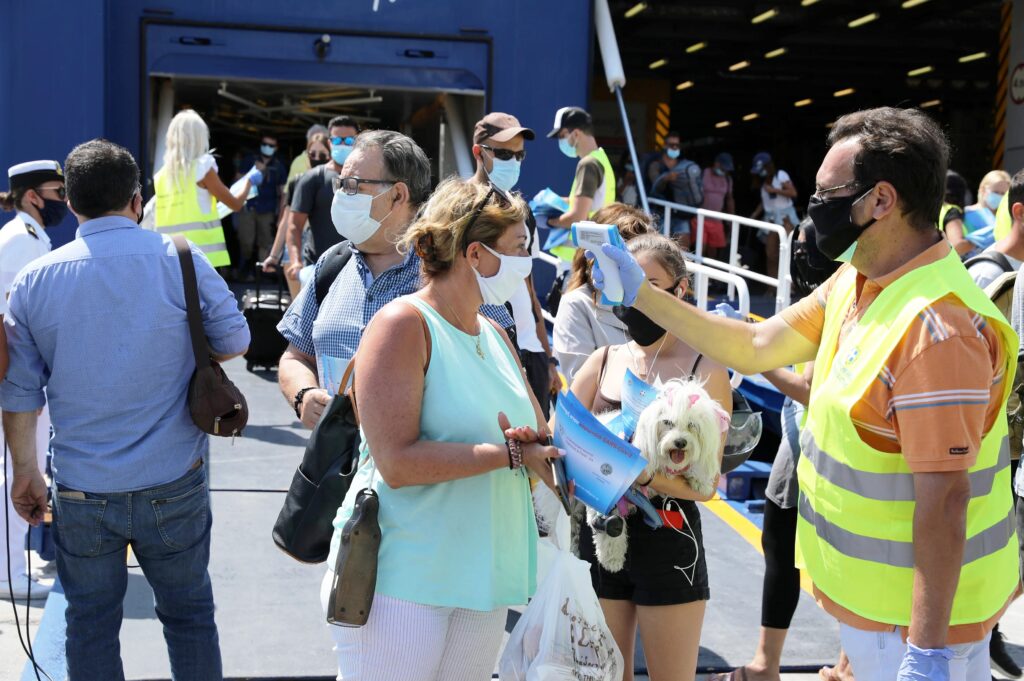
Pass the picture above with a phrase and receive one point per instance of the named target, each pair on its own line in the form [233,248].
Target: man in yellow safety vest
[905,520]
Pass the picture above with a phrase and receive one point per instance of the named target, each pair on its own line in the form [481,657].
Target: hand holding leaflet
[255,176]
[627,271]
[222,208]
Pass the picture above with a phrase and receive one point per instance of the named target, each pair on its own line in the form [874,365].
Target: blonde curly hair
[438,233]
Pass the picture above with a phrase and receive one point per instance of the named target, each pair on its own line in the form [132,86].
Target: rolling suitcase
[263,310]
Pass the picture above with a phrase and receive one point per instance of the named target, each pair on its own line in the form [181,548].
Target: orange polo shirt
[937,396]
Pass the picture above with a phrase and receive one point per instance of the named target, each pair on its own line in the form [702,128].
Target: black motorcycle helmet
[811,267]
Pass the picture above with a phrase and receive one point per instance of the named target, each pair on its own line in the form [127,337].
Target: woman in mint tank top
[438,387]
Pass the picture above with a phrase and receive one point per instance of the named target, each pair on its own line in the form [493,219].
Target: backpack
[334,260]
[1000,292]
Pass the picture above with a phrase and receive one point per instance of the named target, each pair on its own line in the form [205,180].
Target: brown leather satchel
[217,406]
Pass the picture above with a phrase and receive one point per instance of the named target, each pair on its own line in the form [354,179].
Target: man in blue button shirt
[101,324]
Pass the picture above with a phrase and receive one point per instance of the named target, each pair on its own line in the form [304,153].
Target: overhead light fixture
[930,103]
[739,65]
[722,124]
[686,85]
[807,3]
[866,19]
[802,102]
[907,4]
[972,57]
[657,64]
[921,71]
[636,9]
[696,47]
[751,116]
[843,93]
[778,52]
[765,16]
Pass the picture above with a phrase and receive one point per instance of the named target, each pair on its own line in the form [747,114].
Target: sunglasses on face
[318,157]
[61,193]
[502,200]
[505,154]
[347,141]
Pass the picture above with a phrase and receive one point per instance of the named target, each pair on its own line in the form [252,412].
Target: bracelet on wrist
[297,400]
[515,454]
[649,481]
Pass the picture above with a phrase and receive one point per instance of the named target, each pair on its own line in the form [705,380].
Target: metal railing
[781,283]
[701,275]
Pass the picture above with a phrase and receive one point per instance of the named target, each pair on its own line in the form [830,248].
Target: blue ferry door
[247,81]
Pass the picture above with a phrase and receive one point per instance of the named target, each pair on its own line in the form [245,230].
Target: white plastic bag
[563,635]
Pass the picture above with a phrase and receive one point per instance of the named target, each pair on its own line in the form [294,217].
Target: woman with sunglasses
[438,387]
[318,151]
[37,194]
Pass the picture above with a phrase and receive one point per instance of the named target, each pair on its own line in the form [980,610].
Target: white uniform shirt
[776,202]
[22,240]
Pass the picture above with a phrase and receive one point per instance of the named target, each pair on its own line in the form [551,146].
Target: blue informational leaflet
[602,465]
[636,396]
[549,199]
[332,371]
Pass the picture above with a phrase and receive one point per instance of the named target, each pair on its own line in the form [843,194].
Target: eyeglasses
[852,183]
[493,191]
[347,141]
[671,145]
[60,191]
[505,154]
[350,185]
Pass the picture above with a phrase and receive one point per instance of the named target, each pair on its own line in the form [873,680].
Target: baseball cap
[761,159]
[570,117]
[724,159]
[500,127]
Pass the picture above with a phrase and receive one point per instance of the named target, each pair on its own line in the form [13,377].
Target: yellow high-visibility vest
[1004,221]
[946,207]
[605,196]
[856,508]
[178,212]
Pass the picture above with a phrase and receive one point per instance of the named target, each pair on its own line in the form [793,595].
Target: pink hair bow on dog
[723,416]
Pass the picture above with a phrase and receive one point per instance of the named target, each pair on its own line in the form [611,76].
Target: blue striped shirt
[335,329]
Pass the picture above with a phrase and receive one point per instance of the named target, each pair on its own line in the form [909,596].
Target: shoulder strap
[350,369]
[693,371]
[604,365]
[334,261]
[200,347]
[990,256]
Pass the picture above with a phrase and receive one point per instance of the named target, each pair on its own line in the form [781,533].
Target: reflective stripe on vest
[178,212]
[600,201]
[856,509]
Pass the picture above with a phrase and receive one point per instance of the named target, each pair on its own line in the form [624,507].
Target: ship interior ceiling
[745,76]
[238,112]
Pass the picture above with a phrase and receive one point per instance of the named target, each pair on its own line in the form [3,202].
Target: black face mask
[315,161]
[52,212]
[640,327]
[835,229]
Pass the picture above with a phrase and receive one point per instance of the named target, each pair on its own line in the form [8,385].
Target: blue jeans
[168,528]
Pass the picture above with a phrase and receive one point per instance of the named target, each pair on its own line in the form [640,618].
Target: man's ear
[887,200]
[1017,211]
[400,194]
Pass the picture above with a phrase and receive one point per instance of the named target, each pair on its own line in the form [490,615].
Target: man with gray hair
[382,184]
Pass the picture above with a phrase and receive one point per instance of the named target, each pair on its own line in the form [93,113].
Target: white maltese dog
[679,434]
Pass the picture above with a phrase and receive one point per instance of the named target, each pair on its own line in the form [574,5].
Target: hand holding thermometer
[591,236]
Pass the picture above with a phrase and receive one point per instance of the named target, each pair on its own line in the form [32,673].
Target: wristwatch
[553,361]
[297,400]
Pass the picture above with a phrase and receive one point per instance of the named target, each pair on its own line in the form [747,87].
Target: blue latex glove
[255,176]
[728,311]
[630,272]
[925,665]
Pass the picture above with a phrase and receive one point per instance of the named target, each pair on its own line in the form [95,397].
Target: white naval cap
[33,173]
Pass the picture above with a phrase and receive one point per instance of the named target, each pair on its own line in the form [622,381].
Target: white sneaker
[21,589]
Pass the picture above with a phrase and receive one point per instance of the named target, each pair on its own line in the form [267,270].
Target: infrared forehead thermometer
[590,236]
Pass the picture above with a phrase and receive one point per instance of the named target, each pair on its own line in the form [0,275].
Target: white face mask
[351,216]
[498,288]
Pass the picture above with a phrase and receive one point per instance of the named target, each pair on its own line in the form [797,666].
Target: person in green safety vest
[593,186]
[188,188]
[905,521]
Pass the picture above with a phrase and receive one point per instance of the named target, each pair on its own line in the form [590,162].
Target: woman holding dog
[437,385]
[663,587]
